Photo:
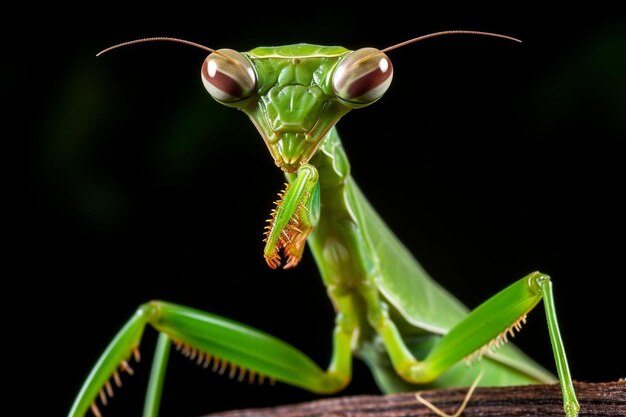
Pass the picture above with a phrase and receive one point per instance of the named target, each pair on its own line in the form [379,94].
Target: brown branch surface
[596,399]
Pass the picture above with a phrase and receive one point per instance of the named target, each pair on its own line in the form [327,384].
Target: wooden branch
[596,399]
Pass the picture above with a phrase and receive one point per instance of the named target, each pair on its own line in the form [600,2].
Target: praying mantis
[389,312]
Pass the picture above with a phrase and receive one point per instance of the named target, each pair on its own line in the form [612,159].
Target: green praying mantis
[389,312]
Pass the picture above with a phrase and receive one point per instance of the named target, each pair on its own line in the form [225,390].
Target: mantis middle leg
[211,341]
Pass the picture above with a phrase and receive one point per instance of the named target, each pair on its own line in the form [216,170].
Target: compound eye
[228,76]
[363,76]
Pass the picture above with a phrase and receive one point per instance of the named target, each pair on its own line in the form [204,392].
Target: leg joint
[345,322]
[150,311]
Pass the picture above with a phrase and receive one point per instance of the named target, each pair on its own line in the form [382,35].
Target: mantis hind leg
[487,327]
[209,340]
[484,329]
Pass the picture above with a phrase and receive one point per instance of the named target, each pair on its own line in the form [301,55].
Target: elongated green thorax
[295,106]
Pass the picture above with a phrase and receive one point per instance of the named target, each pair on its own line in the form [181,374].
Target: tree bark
[596,399]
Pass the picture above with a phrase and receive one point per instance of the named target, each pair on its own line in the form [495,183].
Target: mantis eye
[363,76]
[228,76]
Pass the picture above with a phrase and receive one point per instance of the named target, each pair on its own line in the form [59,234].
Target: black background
[489,159]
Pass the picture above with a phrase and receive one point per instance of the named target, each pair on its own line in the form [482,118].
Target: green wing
[416,296]
[426,305]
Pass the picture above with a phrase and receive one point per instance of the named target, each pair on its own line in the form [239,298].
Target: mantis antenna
[160,38]
[449,32]
[435,34]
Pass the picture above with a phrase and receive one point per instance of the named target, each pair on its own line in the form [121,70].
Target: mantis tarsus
[390,313]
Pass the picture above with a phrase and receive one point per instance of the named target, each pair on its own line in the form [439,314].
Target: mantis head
[294,95]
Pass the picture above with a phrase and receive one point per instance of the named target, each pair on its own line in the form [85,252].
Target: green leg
[567,388]
[484,328]
[210,339]
[157,376]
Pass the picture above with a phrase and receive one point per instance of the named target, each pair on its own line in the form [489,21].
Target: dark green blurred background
[490,159]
